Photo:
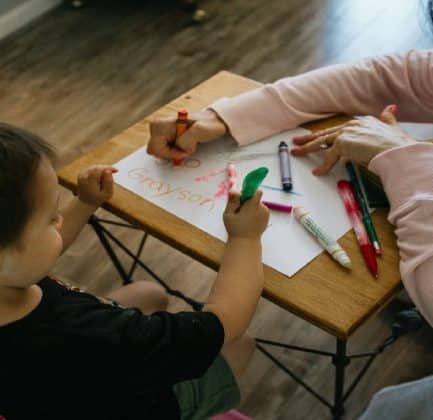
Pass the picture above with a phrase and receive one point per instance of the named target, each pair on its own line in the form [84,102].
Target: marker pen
[286,175]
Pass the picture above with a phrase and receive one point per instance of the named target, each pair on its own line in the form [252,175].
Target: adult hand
[247,221]
[358,140]
[203,127]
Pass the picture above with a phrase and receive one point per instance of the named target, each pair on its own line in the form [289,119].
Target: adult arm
[407,175]
[363,88]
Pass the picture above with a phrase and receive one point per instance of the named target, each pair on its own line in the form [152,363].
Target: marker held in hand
[252,182]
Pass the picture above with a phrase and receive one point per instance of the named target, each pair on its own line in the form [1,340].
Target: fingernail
[393,108]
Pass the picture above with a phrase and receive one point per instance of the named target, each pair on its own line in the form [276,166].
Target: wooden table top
[322,292]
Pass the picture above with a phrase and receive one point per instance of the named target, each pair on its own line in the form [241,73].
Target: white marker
[329,244]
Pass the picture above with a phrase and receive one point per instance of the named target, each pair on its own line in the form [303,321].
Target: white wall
[8,5]
[14,14]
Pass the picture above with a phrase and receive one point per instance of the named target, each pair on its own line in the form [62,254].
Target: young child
[67,354]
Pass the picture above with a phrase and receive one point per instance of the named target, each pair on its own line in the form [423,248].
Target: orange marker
[181,127]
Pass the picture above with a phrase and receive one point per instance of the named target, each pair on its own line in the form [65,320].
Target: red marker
[353,210]
[181,127]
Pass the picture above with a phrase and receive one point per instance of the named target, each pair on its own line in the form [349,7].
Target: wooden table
[322,293]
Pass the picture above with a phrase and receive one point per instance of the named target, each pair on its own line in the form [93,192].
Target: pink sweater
[363,88]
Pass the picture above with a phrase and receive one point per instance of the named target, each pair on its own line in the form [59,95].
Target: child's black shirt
[76,356]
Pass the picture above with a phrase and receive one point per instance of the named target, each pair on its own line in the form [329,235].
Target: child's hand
[95,184]
[246,221]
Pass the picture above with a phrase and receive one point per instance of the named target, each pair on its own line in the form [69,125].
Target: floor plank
[77,77]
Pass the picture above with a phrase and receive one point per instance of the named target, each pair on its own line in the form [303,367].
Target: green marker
[252,182]
[364,210]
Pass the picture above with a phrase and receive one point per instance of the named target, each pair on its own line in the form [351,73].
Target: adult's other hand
[358,140]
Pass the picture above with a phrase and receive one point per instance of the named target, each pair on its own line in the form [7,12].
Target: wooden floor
[77,77]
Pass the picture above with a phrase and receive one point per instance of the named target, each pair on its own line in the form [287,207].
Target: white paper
[419,131]
[196,192]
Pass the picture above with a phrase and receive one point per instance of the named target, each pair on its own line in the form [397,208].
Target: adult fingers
[388,115]
[162,135]
[315,145]
[160,147]
[331,158]
[300,140]
[197,133]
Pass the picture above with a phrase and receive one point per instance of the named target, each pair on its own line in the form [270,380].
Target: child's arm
[95,185]
[239,282]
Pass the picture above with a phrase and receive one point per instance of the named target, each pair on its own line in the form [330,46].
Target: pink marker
[285,208]
[232,177]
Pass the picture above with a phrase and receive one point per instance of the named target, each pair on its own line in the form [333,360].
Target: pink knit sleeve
[362,88]
[407,176]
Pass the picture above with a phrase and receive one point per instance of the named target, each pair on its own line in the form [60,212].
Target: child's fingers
[95,171]
[233,202]
[257,197]
[91,174]
[107,182]
[254,201]
[102,168]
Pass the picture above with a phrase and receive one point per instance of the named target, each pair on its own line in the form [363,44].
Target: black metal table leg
[104,235]
[340,360]
[94,222]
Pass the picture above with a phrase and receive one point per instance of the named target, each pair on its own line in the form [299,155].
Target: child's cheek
[59,244]
[59,222]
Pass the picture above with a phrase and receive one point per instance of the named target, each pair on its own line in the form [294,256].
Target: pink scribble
[206,177]
[232,176]
[223,190]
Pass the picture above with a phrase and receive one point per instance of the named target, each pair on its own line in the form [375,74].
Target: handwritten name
[162,188]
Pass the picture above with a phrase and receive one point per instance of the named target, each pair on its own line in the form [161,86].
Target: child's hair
[20,155]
